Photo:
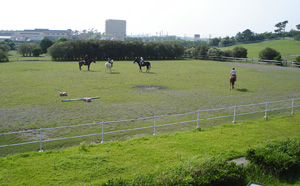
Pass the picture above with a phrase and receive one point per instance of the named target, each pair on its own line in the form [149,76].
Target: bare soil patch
[150,87]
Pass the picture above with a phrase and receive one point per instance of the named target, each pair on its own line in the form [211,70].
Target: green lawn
[289,49]
[29,100]
[30,97]
[94,164]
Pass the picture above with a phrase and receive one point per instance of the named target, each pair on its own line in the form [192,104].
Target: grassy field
[29,100]
[289,49]
[97,163]
[30,97]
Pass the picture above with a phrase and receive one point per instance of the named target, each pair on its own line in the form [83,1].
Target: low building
[36,34]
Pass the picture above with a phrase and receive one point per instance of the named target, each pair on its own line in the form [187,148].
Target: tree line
[118,50]
[248,36]
[206,52]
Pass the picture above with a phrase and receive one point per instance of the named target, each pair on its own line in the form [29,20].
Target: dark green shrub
[280,159]
[215,172]
[36,52]
[239,52]
[298,59]
[268,53]
[3,56]
[278,58]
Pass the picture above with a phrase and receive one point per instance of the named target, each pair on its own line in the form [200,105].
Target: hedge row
[120,50]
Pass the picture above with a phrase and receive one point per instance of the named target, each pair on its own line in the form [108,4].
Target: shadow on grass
[115,73]
[242,90]
[149,72]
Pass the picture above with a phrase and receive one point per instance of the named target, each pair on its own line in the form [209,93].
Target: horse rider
[110,61]
[142,60]
[86,58]
[233,73]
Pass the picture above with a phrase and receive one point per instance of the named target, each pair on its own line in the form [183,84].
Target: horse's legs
[89,67]
[79,67]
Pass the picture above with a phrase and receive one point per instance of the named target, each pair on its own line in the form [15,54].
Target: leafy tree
[10,43]
[214,42]
[214,52]
[3,56]
[4,47]
[298,27]
[268,53]
[280,27]
[36,52]
[246,35]
[227,41]
[201,50]
[298,59]
[227,53]
[62,39]
[45,44]
[239,52]
[26,48]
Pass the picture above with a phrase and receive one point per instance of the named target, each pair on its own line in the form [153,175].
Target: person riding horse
[142,60]
[86,59]
[110,61]
[233,73]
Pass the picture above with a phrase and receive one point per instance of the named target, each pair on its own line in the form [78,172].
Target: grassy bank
[289,49]
[93,164]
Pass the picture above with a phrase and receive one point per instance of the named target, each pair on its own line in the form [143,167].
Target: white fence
[235,111]
[246,60]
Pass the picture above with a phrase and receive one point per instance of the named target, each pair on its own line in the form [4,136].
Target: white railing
[265,109]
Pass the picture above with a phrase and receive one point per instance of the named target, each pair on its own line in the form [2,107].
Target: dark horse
[146,63]
[232,79]
[88,63]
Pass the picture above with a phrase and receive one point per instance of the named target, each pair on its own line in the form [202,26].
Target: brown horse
[232,79]
[87,63]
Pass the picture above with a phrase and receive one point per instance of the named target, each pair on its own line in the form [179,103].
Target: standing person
[233,73]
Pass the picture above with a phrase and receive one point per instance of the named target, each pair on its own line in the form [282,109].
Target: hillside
[94,164]
[289,49]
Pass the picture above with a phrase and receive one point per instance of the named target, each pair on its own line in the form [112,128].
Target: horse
[88,63]
[146,63]
[232,79]
[108,65]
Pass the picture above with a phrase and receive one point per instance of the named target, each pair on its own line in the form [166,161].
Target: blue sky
[218,18]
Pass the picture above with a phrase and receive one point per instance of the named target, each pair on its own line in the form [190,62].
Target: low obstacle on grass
[85,99]
[63,93]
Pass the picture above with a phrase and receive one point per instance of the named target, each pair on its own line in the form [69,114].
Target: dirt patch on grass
[150,87]
[239,161]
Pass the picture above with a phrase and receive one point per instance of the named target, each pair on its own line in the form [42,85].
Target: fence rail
[247,60]
[235,113]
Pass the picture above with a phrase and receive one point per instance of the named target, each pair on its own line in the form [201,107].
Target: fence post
[234,113]
[198,114]
[292,112]
[266,110]
[154,126]
[41,140]
[102,140]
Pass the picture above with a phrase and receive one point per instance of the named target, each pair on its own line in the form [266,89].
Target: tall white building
[115,28]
